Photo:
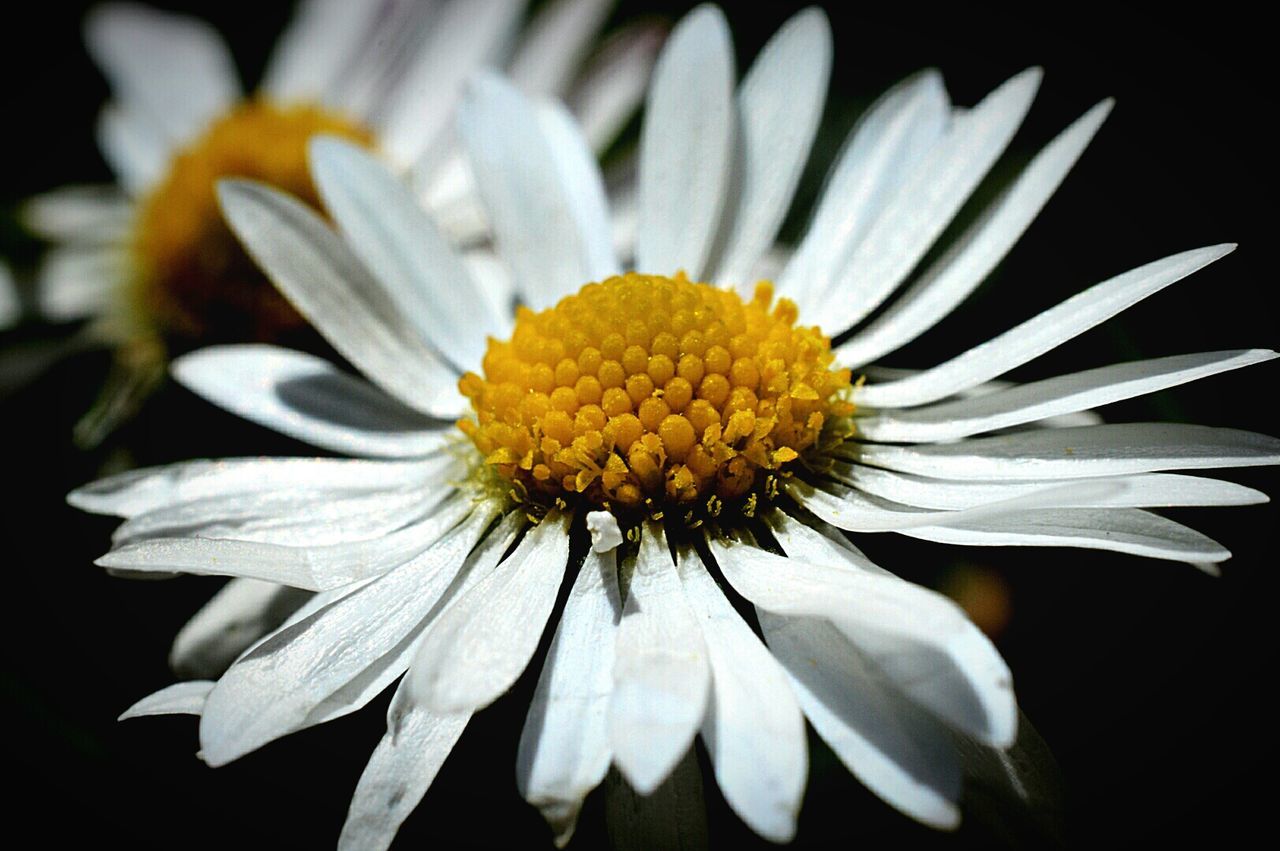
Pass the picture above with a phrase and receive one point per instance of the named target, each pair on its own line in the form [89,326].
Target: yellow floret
[654,390]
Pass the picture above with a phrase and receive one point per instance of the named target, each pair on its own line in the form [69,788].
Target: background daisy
[149,260]
[1146,645]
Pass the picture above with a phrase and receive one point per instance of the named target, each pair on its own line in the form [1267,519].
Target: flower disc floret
[191,279]
[645,390]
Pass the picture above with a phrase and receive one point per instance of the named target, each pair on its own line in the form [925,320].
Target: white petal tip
[605,534]
[232,191]
[1208,567]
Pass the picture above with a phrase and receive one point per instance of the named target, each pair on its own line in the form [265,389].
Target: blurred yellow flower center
[192,280]
[650,391]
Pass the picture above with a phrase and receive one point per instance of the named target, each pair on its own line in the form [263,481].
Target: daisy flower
[677,455]
[151,260]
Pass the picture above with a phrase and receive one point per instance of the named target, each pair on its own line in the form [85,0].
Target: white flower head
[718,428]
[151,260]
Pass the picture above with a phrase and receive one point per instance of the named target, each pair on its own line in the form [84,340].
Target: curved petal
[975,253]
[564,746]
[397,241]
[150,488]
[326,283]
[661,672]
[275,687]
[240,613]
[687,146]
[1152,490]
[554,43]
[321,41]
[86,214]
[753,729]
[544,206]
[1051,397]
[929,650]
[173,67]
[136,151]
[186,698]
[922,209]
[293,517]
[1040,334]
[584,185]
[313,568]
[1122,530]
[76,282]
[888,142]
[1082,452]
[856,511]
[463,38]
[899,753]
[614,82]
[780,103]
[484,640]
[400,771]
[307,397]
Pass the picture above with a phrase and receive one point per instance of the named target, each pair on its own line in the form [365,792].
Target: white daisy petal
[1070,453]
[921,210]
[554,43]
[753,729]
[314,568]
[186,698]
[463,38]
[903,756]
[240,613]
[292,517]
[929,649]
[814,540]
[365,87]
[889,141]
[1153,490]
[307,397]
[484,640]
[136,151]
[149,488]
[79,214]
[1039,334]
[494,280]
[1050,397]
[174,67]
[779,103]
[321,41]
[614,83]
[400,771]
[75,282]
[584,185]
[397,241]
[326,283]
[661,672]
[1122,530]
[386,670]
[856,511]
[975,254]
[274,688]
[544,206]
[564,747]
[687,146]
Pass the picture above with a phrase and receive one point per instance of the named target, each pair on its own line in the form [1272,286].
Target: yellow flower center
[192,281]
[645,391]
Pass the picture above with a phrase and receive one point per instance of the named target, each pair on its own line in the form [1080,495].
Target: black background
[1147,679]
